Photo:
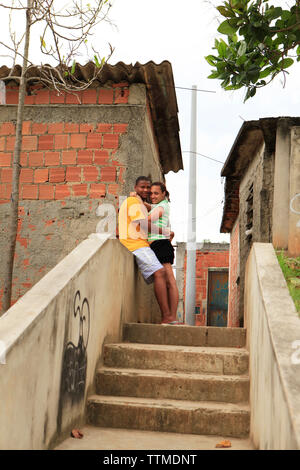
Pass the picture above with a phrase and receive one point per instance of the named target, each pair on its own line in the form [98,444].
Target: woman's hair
[163,189]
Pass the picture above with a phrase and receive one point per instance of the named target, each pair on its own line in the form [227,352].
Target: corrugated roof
[159,82]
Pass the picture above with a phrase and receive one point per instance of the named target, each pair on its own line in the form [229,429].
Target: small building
[262,196]
[212,265]
[79,151]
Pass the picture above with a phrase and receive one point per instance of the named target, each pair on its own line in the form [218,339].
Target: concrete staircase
[182,379]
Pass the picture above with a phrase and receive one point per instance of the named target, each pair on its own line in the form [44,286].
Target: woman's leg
[161,293]
[173,295]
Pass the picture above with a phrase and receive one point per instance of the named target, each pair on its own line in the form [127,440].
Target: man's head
[142,187]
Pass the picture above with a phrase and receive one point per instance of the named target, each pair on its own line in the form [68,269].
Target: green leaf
[97,62]
[73,67]
[240,78]
[285,63]
[239,4]
[225,83]
[241,60]
[250,93]
[273,13]
[225,12]
[286,15]
[242,49]
[211,59]
[233,39]
[214,75]
[264,73]
[234,87]
[226,28]
[42,42]
[222,48]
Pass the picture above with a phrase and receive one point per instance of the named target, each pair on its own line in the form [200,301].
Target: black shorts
[164,250]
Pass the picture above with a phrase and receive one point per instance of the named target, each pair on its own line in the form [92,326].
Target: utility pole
[190,286]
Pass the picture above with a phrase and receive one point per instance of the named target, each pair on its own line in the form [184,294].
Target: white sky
[183,33]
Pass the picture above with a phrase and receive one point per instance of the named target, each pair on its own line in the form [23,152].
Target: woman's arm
[155,215]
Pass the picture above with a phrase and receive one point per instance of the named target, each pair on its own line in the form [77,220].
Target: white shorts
[147,263]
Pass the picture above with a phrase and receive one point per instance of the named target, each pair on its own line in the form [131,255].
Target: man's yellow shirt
[131,235]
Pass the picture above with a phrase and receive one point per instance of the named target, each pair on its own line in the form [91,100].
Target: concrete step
[178,416]
[212,360]
[184,335]
[97,438]
[175,385]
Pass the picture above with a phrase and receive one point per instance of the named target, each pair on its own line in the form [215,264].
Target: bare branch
[16,52]
[12,7]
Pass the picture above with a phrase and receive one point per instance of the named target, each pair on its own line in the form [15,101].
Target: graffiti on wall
[75,356]
[74,362]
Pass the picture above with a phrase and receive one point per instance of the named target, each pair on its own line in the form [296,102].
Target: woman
[158,218]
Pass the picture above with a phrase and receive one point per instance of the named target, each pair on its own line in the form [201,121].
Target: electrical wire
[183,88]
[205,156]
[194,89]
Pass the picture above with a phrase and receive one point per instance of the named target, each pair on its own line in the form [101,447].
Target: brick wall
[117,93]
[204,260]
[234,272]
[77,151]
[61,159]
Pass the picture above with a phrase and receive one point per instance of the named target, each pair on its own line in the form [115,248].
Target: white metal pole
[190,288]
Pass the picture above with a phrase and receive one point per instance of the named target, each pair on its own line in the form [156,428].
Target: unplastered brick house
[78,151]
[211,290]
[262,196]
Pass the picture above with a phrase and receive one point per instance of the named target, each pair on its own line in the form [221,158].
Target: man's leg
[150,267]
[161,293]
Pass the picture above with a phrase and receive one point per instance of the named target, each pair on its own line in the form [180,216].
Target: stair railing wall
[52,340]
[273,341]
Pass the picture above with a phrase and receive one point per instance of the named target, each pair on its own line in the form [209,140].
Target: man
[133,234]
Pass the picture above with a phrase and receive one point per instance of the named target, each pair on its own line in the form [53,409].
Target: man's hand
[171,235]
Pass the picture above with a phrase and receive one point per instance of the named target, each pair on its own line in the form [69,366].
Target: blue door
[217,302]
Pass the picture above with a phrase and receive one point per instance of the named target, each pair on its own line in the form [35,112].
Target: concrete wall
[273,340]
[54,335]
[294,209]
[286,207]
[253,176]
[234,319]
[281,185]
[74,157]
